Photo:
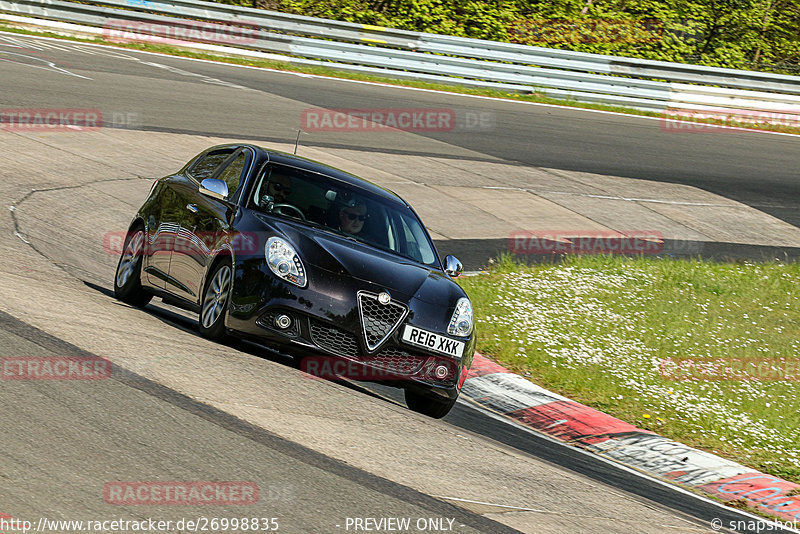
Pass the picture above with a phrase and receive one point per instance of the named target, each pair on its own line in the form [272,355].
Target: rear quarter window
[205,166]
[232,174]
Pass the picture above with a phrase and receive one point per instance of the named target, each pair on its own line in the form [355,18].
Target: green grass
[333,73]
[594,328]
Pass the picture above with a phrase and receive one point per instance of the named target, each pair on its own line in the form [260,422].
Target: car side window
[413,242]
[232,173]
[208,164]
[411,247]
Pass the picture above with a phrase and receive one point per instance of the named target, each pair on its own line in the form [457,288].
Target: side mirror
[453,267]
[214,188]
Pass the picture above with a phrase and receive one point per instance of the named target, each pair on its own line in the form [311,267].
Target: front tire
[428,405]
[215,301]
[128,278]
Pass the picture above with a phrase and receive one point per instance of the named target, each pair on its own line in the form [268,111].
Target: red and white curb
[497,389]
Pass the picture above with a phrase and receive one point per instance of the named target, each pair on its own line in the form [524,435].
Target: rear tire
[128,278]
[428,405]
[214,303]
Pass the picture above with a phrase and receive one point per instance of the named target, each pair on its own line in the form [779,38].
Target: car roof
[283,158]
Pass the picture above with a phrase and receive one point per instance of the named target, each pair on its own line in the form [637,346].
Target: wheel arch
[137,221]
[224,253]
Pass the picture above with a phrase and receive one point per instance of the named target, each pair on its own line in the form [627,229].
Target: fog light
[283,321]
[441,372]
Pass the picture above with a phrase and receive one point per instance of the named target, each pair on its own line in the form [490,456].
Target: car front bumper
[325,328]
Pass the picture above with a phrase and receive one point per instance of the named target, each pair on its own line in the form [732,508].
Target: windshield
[329,204]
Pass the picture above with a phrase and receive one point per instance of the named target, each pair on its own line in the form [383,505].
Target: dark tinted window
[233,173]
[205,166]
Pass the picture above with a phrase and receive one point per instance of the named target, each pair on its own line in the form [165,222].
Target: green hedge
[742,34]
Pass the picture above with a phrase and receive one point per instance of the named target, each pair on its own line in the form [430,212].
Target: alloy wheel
[216,296]
[130,258]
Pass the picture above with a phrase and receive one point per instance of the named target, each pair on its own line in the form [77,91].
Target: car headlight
[284,261]
[461,323]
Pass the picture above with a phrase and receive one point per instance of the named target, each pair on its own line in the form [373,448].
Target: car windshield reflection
[334,206]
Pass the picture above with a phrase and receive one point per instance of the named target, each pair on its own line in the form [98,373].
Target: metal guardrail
[398,53]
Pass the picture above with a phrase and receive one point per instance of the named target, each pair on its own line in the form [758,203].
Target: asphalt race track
[179,408]
[757,169]
[172,437]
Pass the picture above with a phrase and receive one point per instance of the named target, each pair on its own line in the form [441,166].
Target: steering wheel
[292,208]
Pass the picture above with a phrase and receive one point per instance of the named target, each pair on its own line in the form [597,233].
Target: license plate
[432,341]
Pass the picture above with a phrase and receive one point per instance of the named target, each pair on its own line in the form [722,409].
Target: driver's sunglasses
[354,216]
[280,187]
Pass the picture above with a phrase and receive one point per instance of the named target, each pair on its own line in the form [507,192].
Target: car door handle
[192,207]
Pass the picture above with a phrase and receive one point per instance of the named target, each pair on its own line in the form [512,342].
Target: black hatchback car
[308,260]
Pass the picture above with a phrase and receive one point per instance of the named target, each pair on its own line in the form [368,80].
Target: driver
[279,188]
[351,218]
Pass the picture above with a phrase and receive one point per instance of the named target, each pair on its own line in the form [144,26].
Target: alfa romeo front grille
[397,360]
[378,321]
[334,340]
[345,345]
